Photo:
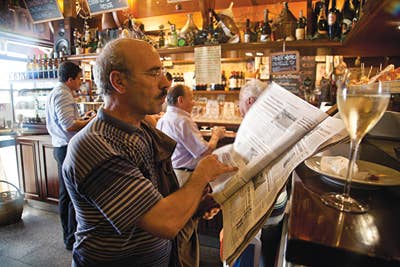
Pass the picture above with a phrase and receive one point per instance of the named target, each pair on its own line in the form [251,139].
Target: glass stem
[354,145]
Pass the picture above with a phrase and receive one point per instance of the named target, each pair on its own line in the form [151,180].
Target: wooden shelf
[376,33]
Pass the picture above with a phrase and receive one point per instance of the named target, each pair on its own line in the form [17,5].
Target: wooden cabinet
[37,168]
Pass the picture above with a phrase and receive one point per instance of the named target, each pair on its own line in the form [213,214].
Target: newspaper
[278,133]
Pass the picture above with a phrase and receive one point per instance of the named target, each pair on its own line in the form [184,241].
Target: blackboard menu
[285,62]
[43,10]
[290,82]
[104,6]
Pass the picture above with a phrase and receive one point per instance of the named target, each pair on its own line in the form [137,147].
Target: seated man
[191,147]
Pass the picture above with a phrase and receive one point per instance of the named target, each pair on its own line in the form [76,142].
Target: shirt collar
[178,110]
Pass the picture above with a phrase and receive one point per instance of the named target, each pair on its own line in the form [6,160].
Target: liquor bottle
[334,21]
[161,39]
[189,30]
[301,27]
[50,66]
[39,66]
[232,81]
[44,67]
[257,31]
[247,33]
[349,13]
[223,81]
[266,29]
[315,15]
[174,36]
[322,25]
[226,31]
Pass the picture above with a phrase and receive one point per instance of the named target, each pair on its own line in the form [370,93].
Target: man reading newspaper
[278,133]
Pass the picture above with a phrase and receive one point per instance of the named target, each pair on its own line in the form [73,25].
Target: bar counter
[318,235]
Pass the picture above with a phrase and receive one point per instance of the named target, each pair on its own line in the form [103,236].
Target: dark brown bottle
[322,25]
[334,21]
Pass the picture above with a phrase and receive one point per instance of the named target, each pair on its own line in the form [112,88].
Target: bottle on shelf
[44,67]
[232,81]
[315,15]
[161,38]
[322,25]
[40,66]
[348,13]
[50,66]
[247,32]
[226,33]
[334,21]
[266,28]
[223,81]
[257,31]
[173,41]
[301,27]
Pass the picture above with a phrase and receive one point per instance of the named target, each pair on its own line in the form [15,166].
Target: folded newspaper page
[278,133]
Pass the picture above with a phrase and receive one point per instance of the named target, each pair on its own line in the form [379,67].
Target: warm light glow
[61,5]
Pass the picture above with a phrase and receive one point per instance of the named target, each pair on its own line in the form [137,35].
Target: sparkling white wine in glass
[360,113]
[360,107]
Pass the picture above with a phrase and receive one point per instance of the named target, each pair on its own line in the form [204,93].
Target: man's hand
[209,168]
[218,131]
[89,115]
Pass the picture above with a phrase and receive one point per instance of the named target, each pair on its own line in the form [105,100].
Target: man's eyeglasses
[156,73]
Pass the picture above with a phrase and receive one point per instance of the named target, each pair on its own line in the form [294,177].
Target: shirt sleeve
[190,137]
[65,107]
[120,192]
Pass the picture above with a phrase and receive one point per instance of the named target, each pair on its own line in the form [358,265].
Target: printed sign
[285,62]
[104,6]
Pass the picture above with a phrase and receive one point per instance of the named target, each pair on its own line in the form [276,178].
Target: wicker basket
[285,24]
[11,205]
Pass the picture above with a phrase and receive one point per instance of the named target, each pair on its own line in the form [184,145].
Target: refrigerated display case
[29,101]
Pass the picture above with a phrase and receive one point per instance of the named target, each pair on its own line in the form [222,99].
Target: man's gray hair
[110,59]
[252,88]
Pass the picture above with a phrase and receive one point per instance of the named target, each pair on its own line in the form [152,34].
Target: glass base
[343,203]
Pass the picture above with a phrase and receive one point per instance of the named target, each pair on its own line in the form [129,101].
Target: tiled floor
[36,241]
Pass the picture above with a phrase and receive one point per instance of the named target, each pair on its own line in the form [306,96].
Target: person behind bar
[191,147]
[62,122]
[118,170]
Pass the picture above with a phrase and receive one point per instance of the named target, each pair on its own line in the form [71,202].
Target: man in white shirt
[62,122]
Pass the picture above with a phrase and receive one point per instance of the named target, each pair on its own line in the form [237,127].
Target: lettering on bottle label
[300,33]
[331,19]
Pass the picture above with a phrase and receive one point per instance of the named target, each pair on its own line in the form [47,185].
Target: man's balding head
[120,55]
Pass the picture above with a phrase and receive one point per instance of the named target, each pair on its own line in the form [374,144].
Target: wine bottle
[266,29]
[348,16]
[334,21]
[226,33]
[315,15]
[322,25]
[249,35]
[301,27]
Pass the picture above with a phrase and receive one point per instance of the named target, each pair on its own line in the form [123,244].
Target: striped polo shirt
[111,177]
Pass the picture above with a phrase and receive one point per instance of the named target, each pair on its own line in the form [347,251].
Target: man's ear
[180,99]
[118,81]
[251,100]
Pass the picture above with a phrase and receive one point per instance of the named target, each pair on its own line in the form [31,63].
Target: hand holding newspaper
[276,135]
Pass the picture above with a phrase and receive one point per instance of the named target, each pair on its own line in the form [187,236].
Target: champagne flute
[360,107]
